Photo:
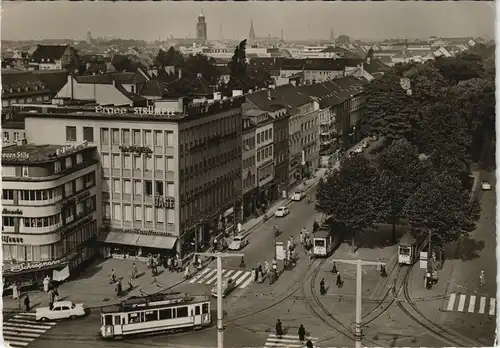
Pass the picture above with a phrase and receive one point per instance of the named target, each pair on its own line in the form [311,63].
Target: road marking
[246,275]
[451,302]
[492,306]
[17,333]
[247,282]
[17,344]
[40,328]
[461,303]
[287,341]
[482,305]
[199,275]
[208,276]
[214,277]
[17,338]
[472,303]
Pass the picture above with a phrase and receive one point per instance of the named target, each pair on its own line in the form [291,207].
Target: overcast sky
[23,20]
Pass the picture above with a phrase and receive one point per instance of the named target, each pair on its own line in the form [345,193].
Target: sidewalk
[93,287]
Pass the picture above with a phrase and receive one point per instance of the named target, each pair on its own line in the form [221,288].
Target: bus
[153,314]
[325,241]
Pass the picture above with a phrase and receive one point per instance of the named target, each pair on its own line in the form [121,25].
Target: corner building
[168,180]
[49,215]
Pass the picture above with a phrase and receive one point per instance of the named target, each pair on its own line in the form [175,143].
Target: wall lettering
[25,265]
[136,149]
[164,202]
[13,240]
[6,211]
[136,231]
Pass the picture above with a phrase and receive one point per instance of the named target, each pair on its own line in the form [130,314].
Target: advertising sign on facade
[280,251]
[423,259]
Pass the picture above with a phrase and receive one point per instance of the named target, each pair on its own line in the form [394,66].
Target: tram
[325,241]
[155,314]
[409,249]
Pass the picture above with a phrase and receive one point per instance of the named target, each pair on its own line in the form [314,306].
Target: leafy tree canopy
[201,64]
[172,57]
[460,68]
[443,207]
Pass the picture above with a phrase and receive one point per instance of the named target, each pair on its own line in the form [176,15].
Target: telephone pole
[220,310]
[359,293]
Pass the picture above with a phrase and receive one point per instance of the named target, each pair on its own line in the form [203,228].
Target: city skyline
[298,20]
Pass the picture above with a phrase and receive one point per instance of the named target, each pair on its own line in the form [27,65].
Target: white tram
[409,249]
[325,241]
[155,314]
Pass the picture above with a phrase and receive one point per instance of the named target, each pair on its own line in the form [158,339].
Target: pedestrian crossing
[288,341]
[208,276]
[475,304]
[22,329]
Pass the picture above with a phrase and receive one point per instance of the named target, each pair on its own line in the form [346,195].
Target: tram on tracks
[409,248]
[154,314]
[325,241]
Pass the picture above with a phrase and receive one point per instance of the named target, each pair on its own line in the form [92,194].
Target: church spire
[251,34]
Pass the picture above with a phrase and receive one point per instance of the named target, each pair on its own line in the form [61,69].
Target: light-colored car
[297,196]
[228,285]
[486,186]
[365,144]
[60,310]
[358,149]
[281,212]
[238,243]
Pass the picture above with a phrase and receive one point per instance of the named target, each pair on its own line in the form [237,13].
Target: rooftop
[31,153]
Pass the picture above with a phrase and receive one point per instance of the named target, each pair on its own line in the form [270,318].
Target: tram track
[410,309]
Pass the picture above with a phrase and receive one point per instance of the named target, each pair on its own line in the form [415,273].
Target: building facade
[162,174]
[248,168]
[264,163]
[49,209]
[281,153]
[54,57]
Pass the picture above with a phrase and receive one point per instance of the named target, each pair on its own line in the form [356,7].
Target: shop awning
[140,240]
[119,238]
[157,242]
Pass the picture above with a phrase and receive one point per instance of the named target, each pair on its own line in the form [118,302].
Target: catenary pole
[220,308]
[359,291]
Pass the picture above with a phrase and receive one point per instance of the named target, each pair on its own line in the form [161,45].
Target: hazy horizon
[151,21]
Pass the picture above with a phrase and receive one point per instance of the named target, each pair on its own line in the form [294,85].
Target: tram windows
[133,318]
[108,320]
[204,308]
[165,314]
[151,316]
[117,320]
[182,312]
[319,242]
[197,310]
[404,250]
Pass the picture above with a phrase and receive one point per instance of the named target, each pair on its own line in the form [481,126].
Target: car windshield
[237,239]
[281,209]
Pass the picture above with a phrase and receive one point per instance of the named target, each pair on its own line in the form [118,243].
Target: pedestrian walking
[309,344]
[113,276]
[322,289]
[51,299]
[130,285]
[302,333]
[27,303]
[279,329]
[482,281]
[56,294]
[134,270]
[260,270]
[334,269]
[339,280]
[301,238]
[256,274]
[46,283]
[15,292]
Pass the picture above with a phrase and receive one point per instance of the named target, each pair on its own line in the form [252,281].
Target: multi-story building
[54,57]
[164,172]
[12,132]
[248,168]
[49,215]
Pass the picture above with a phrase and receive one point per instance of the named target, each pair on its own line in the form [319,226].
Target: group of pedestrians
[260,272]
[301,333]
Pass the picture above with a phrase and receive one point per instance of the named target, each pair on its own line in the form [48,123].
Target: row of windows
[138,162]
[15,136]
[8,102]
[265,135]
[42,222]
[29,252]
[138,213]
[160,314]
[249,144]
[265,153]
[249,181]
[217,160]
[218,127]
[133,137]
[309,124]
[82,234]
[266,172]
[309,138]
[248,163]
[139,187]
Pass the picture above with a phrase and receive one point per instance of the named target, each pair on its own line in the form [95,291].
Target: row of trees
[431,136]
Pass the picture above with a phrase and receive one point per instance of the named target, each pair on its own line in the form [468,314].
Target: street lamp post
[359,283]
[220,309]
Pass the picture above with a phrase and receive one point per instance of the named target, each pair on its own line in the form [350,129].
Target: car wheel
[44,319]
[73,317]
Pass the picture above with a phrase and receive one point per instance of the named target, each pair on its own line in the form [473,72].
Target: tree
[463,67]
[349,196]
[172,57]
[392,200]
[441,206]
[201,64]
[343,39]
[238,69]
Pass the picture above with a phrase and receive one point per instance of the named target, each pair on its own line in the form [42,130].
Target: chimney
[70,82]
[368,60]
[179,72]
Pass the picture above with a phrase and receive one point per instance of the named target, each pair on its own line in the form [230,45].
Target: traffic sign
[423,259]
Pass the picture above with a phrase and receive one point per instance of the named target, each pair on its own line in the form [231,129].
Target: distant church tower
[332,36]
[251,34]
[201,29]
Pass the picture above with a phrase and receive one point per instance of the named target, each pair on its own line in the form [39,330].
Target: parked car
[297,196]
[228,285]
[281,212]
[486,186]
[365,144]
[60,310]
[238,243]
[358,149]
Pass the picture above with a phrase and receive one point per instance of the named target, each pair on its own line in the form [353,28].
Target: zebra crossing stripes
[288,341]
[470,307]
[22,329]
[208,276]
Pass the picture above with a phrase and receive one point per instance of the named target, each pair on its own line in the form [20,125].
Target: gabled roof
[376,65]
[200,86]
[261,100]
[14,78]
[323,95]
[132,96]
[53,79]
[155,88]
[108,78]
[49,53]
